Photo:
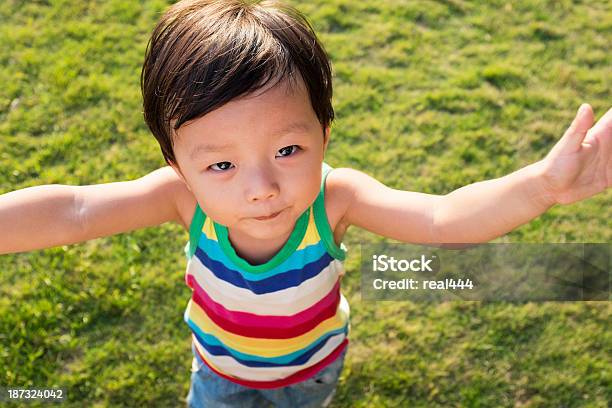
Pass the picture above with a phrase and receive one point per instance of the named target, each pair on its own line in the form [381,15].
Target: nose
[261,186]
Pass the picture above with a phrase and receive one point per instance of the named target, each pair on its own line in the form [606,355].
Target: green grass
[429,96]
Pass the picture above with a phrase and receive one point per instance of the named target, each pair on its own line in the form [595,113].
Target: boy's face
[246,160]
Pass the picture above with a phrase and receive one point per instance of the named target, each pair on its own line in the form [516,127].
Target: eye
[222,165]
[289,150]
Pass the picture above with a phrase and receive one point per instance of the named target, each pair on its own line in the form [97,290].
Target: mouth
[268,217]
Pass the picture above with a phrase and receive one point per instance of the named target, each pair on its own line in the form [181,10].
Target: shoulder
[183,198]
[339,193]
[185,204]
[351,191]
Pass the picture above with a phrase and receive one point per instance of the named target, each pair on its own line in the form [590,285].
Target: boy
[238,95]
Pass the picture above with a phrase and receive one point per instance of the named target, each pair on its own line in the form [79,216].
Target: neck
[256,251]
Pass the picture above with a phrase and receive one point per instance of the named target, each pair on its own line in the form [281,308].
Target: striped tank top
[268,325]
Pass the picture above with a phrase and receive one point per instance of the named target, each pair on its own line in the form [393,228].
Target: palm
[580,164]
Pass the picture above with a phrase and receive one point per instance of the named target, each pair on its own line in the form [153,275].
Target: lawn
[429,96]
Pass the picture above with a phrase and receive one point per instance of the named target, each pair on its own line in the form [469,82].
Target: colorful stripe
[291,300]
[272,327]
[282,382]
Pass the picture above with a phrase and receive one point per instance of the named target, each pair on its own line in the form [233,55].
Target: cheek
[309,189]
[213,201]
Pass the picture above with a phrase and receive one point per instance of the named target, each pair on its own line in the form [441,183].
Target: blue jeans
[208,389]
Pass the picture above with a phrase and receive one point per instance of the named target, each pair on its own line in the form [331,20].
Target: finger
[600,135]
[574,135]
[603,127]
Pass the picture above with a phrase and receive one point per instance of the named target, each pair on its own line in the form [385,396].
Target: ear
[178,172]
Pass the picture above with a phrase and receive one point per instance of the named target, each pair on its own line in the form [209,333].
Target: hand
[580,164]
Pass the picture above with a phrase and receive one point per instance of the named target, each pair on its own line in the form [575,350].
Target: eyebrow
[208,148]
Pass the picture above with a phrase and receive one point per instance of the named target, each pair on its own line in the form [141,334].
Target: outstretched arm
[482,211]
[51,215]
[578,166]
